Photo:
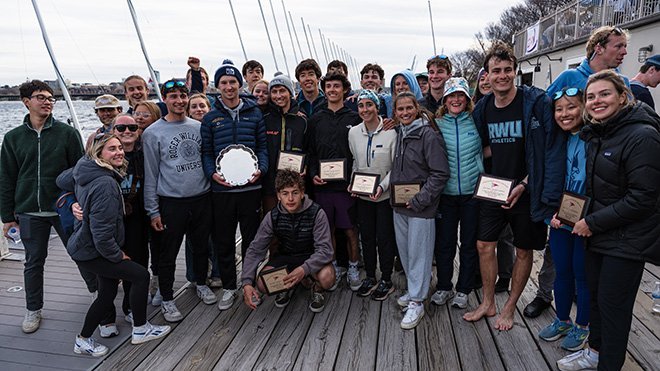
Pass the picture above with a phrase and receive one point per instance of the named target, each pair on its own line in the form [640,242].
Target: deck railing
[577,20]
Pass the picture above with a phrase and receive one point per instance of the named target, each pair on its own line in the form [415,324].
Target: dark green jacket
[29,164]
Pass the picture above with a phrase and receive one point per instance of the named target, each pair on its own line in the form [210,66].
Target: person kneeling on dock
[305,249]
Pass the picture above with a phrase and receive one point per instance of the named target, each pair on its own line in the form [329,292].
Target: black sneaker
[283,298]
[384,289]
[367,287]
[318,302]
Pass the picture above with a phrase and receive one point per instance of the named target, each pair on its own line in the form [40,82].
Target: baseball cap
[106,101]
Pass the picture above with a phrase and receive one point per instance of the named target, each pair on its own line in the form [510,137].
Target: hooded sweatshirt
[577,78]
[101,232]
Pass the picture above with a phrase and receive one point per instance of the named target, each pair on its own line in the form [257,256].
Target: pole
[272,50]
[295,55]
[432,31]
[60,78]
[144,51]
[277,28]
[306,38]
[313,44]
[325,53]
[238,30]
[296,34]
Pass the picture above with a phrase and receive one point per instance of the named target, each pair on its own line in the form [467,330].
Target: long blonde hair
[94,152]
[619,86]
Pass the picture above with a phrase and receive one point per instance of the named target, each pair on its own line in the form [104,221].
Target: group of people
[150,177]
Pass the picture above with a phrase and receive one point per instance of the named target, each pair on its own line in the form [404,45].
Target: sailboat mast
[144,50]
[238,30]
[432,31]
[60,78]
[296,34]
[307,38]
[313,44]
[272,50]
[295,55]
[277,28]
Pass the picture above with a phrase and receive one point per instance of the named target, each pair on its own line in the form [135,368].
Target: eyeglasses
[172,83]
[41,98]
[569,92]
[144,115]
[122,128]
[440,56]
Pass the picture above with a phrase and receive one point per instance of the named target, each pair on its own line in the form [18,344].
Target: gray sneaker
[353,278]
[441,297]
[170,311]
[228,297]
[404,300]
[157,299]
[460,300]
[31,321]
[339,274]
[108,331]
[207,296]
[318,302]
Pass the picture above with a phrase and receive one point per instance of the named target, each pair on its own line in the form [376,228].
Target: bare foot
[505,321]
[481,311]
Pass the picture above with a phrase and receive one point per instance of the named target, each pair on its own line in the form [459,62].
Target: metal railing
[577,20]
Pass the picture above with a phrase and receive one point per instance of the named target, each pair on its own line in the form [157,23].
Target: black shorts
[527,235]
[288,261]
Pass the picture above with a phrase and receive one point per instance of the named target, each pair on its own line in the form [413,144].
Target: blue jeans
[568,255]
[455,209]
[35,233]
[415,240]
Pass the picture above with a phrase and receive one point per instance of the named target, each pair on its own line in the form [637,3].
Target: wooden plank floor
[352,333]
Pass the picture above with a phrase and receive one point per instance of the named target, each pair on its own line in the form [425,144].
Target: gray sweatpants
[415,238]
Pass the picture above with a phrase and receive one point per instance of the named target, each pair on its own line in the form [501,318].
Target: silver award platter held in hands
[236,163]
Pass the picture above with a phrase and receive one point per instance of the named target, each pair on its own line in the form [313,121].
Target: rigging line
[272,50]
[295,55]
[277,28]
[152,72]
[296,34]
[89,67]
[308,47]
[311,36]
[240,38]
[20,27]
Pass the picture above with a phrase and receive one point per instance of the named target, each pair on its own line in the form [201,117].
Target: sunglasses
[569,92]
[171,84]
[122,128]
[616,31]
[41,98]
[440,56]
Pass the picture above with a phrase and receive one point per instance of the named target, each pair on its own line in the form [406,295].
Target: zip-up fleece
[285,131]
[463,152]
[219,130]
[545,150]
[421,157]
[30,161]
[373,153]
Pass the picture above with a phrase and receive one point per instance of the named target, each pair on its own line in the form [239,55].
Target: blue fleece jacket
[412,83]
[576,78]
[219,130]
[545,150]
[463,152]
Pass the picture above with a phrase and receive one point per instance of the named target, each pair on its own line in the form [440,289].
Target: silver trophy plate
[236,163]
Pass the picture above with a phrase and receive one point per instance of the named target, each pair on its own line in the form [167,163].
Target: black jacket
[330,141]
[101,232]
[284,132]
[623,180]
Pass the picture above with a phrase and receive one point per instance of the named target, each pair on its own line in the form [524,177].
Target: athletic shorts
[527,235]
[339,208]
[288,261]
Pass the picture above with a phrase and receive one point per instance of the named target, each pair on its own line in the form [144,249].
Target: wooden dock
[352,333]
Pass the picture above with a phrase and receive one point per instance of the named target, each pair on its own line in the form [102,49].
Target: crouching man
[305,245]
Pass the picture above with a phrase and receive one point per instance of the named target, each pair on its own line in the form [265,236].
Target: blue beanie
[229,69]
[369,94]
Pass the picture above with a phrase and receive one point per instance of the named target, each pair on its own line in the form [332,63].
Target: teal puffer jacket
[463,151]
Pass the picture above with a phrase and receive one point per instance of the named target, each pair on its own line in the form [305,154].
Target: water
[12,114]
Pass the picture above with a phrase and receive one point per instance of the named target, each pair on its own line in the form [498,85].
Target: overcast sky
[96,42]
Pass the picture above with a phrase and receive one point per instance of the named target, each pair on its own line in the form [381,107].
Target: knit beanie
[281,79]
[369,94]
[227,68]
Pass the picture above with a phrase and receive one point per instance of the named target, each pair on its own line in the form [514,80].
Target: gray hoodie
[257,250]
[172,162]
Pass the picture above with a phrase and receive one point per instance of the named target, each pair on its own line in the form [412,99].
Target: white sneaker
[148,332]
[353,278]
[404,300]
[89,346]
[108,331]
[586,359]
[413,315]
[31,321]
[157,299]
[460,300]
[228,297]
[129,317]
[207,296]
[170,311]
[441,297]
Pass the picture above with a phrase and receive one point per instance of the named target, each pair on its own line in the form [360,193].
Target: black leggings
[109,274]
